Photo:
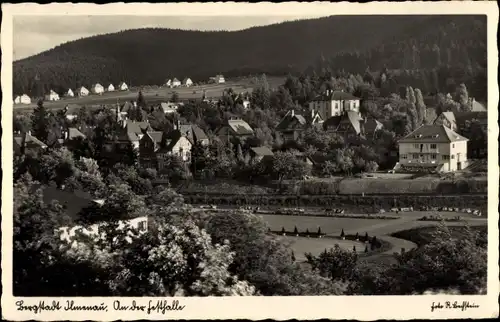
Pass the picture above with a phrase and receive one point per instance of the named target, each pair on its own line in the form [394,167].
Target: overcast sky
[34,34]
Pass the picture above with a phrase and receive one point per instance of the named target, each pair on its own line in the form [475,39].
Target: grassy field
[156,94]
[382,229]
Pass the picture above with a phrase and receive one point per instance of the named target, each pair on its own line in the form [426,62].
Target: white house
[168,83]
[335,103]
[23,99]
[434,148]
[122,86]
[52,96]
[111,88]
[187,82]
[70,93]
[169,107]
[176,83]
[219,79]
[82,91]
[97,89]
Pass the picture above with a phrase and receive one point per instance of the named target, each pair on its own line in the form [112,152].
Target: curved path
[381,228]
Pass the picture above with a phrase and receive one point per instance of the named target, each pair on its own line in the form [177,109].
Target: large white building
[111,88]
[434,148]
[334,103]
[176,83]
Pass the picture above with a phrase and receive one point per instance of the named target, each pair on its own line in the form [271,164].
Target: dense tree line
[439,48]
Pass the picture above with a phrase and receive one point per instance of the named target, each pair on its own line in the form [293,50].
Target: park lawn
[302,245]
[328,225]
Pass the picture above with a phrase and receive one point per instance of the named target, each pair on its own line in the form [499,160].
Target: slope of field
[150,56]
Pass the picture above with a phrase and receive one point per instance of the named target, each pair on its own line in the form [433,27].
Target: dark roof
[336,96]
[170,140]
[351,117]
[291,121]
[262,151]
[73,133]
[73,203]
[156,136]
[26,139]
[433,134]
[138,127]
[127,107]
[193,133]
[462,117]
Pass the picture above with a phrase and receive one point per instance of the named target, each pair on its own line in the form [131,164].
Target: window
[453,156]
[433,156]
[404,156]
[453,145]
[433,146]
[142,225]
[446,157]
[416,146]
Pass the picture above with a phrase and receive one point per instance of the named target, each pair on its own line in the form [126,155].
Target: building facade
[434,148]
[335,103]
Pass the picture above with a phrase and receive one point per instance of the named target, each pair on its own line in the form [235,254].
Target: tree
[175,97]
[354,249]
[366,248]
[462,97]
[420,105]
[295,230]
[141,101]
[342,234]
[262,260]
[293,256]
[319,231]
[22,123]
[40,122]
[335,263]
[284,165]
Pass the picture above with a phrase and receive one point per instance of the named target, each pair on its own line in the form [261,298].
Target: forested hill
[348,43]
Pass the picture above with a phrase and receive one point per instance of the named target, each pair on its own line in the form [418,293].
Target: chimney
[29,132]
[293,113]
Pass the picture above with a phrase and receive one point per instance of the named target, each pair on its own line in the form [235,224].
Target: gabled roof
[175,80]
[351,117]
[170,140]
[193,133]
[450,116]
[433,134]
[156,137]
[73,203]
[30,139]
[478,107]
[127,107]
[138,127]
[291,121]
[262,151]
[121,84]
[74,133]
[240,127]
[336,96]
[96,84]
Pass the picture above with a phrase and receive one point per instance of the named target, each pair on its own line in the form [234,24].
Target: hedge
[364,204]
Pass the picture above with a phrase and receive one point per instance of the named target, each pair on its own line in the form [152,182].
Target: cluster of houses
[81,91]
[437,146]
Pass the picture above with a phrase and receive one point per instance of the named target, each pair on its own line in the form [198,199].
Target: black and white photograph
[260,154]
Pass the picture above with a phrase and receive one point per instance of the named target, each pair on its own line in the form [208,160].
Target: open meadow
[155,94]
